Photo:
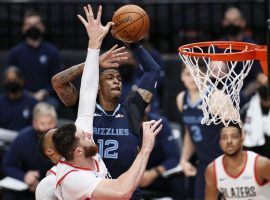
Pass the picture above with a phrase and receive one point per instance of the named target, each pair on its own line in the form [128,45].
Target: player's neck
[108,105]
[84,162]
[235,162]
[194,95]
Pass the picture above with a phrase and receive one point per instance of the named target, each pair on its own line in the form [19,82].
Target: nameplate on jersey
[238,192]
[111,131]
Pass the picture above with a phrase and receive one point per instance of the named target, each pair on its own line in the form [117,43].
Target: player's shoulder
[45,188]
[210,169]
[180,100]
[262,161]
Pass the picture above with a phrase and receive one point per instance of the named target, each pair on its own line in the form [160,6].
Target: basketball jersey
[117,143]
[205,138]
[46,187]
[77,183]
[245,185]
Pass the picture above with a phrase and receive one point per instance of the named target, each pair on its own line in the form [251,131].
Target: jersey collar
[101,109]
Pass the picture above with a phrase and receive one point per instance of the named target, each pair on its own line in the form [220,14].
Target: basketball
[131,24]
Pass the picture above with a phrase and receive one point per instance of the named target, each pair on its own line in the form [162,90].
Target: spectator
[256,117]
[200,139]
[15,101]
[23,161]
[38,59]
[234,24]
[165,156]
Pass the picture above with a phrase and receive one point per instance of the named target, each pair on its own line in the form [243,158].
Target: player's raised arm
[211,191]
[90,77]
[61,82]
[151,69]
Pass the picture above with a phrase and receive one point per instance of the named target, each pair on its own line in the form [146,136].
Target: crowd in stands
[29,106]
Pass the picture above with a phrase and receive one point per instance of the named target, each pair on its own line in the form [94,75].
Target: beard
[90,151]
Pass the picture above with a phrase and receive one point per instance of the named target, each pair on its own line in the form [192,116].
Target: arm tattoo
[64,88]
[146,95]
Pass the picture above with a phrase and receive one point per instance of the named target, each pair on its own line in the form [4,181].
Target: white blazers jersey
[244,185]
[78,183]
[46,187]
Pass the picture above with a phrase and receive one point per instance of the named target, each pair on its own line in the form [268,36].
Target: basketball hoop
[219,68]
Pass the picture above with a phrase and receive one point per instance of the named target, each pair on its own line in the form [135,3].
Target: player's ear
[78,151]
[49,152]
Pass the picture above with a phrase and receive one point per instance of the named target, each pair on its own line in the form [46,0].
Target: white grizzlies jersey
[78,183]
[46,187]
[244,185]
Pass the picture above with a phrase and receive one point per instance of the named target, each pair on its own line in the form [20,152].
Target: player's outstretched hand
[113,57]
[150,130]
[95,30]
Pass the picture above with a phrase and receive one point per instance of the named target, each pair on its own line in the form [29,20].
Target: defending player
[116,126]
[237,174]
[46,187]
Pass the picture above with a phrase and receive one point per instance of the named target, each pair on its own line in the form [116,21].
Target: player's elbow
[124,193]
[55,80]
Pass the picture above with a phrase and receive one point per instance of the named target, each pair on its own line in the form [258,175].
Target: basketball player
[237,174]
[116,126]
[198,138]
[63,139]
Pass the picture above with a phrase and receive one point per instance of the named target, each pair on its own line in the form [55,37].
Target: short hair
[16,70]
[44,109]
[232,124]
[102,69]
[65,141]
[41,145]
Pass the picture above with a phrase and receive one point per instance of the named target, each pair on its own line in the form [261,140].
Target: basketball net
[219,83]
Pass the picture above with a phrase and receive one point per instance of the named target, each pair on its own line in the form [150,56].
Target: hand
[112,57]
[150,130]
[95,30]
[188,169]
[31,178]
[41,94]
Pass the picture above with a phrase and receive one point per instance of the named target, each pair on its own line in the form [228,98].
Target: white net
[219,83]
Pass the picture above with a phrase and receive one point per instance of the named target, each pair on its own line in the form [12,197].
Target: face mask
[33,33]
[232,30]
[13,87]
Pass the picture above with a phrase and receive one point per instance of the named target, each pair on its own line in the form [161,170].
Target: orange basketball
[131,23]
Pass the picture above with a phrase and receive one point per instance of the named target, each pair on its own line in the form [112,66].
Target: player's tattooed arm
[146,95]
[211,191]
[61,82]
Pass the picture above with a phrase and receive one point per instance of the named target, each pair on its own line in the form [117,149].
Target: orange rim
[245,51]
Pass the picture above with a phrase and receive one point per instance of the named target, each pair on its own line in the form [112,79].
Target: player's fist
[188,169]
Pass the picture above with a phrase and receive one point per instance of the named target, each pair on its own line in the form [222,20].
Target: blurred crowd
[29,106]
